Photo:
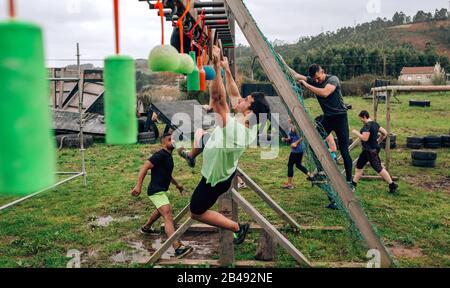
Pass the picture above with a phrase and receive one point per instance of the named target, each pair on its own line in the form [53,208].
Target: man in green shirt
[224,146]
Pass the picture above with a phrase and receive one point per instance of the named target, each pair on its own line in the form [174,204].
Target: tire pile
[423,158]
[73,141]
[419,103]
[393,143]
[431,142]
[147,138]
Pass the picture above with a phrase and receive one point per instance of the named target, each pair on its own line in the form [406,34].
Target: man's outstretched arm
[218,98]
[232,89]
[294,74]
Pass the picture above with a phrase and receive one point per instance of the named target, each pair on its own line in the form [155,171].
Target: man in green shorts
[224,146]
[161,165]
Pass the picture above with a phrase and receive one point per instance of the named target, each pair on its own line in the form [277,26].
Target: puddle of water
[105,221]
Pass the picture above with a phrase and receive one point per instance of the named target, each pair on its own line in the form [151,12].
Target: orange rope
[180,25]
[160,6]
[12,11]
[116,24]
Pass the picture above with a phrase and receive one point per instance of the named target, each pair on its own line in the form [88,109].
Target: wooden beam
[263,195]
[376,177]
[387,150]
[289,97]
[180,231]
[215,263]
[351,147]
[226,246]
[437,88]
[205,228]
[269,228]
[180,215]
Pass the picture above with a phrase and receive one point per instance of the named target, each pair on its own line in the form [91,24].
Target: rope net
[313,164]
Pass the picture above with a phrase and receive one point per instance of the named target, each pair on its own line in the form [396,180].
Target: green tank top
[224,148]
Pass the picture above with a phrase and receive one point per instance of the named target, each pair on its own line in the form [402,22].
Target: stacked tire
[147,138]
[419,103]
[73,141]
[432,142]
[445,141]
[393,143]
[423,158]
[415,142]
[141,124]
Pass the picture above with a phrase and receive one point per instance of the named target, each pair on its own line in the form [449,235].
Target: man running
[371,149]
[223,147]
[161,165]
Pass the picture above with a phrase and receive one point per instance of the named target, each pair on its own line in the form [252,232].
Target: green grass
[40,231]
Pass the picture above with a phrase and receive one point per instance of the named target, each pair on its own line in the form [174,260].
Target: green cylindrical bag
[27,147]
[120,100]
[193,79]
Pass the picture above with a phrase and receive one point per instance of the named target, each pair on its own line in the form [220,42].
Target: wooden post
[375,104]
[61,89]
[388,129]
[226,249]
[53,87]
[267,247]
[296,110]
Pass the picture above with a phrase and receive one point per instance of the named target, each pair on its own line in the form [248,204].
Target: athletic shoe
[353,186]
[332,206]
[183,251]
[239,237]
[184,154]
[288,186]
[241,185]
[148,231]
[393,187]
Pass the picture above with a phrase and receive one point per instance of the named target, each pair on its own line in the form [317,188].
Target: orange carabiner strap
[180,25]
[160,6]
[116,25]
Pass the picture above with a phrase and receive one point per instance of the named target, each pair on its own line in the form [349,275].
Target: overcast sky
[90,22]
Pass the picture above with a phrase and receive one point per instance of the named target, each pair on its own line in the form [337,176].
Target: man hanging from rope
[224,146]
[327,88]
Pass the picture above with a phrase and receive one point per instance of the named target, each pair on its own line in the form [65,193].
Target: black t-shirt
[334,103]
[161,173]
[372,127]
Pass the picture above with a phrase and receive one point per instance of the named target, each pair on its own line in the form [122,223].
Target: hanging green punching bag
[27,147]
[193,79]
[120,100]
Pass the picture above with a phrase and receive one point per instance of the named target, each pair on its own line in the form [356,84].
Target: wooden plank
[437,88]
[215,263]
[269,228]
[284,89]
[180,231]
[180,215]
[377,177]
[338,265]
[267,247]
[201,227]
[351,147]
[258,190]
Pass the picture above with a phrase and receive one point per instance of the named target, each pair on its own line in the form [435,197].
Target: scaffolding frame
[75,174]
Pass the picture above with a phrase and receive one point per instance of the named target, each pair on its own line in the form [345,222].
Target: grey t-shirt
[333,104]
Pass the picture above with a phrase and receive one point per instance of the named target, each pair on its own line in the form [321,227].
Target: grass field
[414,224]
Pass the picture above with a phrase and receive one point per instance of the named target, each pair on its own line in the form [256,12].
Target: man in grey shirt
[327,88]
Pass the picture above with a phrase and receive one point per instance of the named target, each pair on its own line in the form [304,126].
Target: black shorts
[205,196]
[372,157]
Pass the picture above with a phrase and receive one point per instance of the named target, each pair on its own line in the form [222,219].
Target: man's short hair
[260,105]
[164,136]
[364,114]
[313,69]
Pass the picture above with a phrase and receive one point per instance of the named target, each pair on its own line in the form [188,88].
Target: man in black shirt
[327,88]
[161,165]
[370,149]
